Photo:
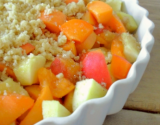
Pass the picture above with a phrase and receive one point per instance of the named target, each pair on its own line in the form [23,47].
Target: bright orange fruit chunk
[115,24]
[28,48]
[77,30]
[120,67]
[9,71]
[88,17]
[12,106]
[70,45]
[117,48]
[70,1]
[87,44]
[101,11]
[35,114]
[59,87]
[33,91]
[53,21]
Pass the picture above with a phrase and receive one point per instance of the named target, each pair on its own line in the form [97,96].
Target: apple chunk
[115,4]
[131,47]
[128,21]
[9,87]
[68,101]
[86,90]
[53,109]
[26,71]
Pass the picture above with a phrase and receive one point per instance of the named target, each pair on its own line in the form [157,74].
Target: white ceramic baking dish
[93,112]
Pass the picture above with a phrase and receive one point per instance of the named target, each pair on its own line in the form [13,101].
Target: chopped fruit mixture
[57,54]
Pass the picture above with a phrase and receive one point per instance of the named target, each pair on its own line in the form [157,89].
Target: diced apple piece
[111,74]
[131,47]
[86,90]
[9,86]
[128,21]
[115,4]
[26,71]
[68,101]
[53,109]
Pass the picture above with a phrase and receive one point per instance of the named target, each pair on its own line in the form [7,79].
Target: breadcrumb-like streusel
[20,24]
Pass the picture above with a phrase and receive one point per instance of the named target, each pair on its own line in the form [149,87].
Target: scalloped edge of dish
[93,112]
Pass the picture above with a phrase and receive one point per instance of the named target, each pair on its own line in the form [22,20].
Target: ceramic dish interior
[93,112]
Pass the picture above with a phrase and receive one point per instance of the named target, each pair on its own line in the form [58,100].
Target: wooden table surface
[143,105]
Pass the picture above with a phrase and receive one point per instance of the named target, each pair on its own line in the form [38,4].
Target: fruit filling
[57,54]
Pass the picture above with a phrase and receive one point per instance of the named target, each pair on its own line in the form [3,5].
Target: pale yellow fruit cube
[26,71]
[86,90]
[131,47]
[68,101]
[53,109]
[9,86]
